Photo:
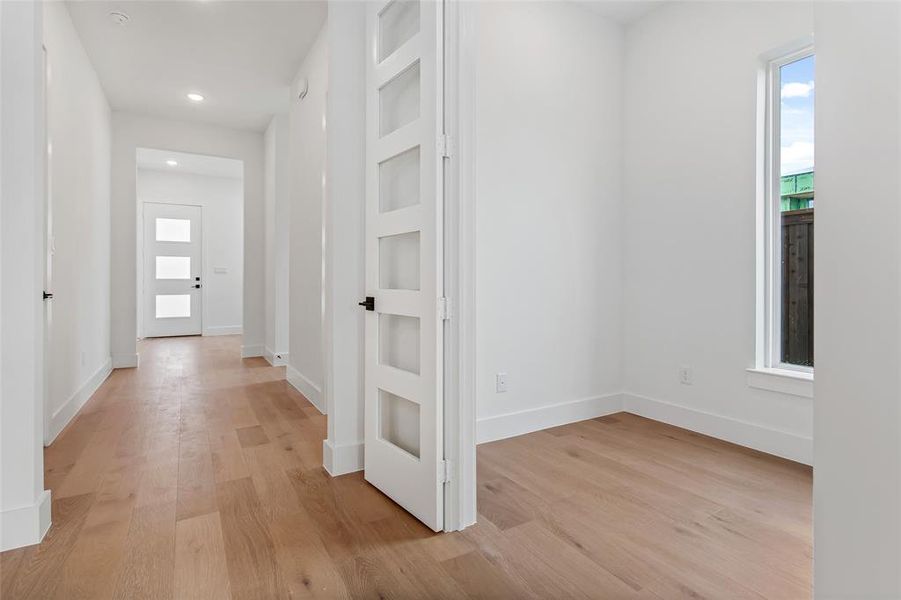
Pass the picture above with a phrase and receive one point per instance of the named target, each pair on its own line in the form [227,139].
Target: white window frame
[769,247]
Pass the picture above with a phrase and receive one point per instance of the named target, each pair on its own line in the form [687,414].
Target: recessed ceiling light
[195,97]
[172,163]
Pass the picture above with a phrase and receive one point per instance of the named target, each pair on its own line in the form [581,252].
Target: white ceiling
[622,11]
[197,164]
[241,55]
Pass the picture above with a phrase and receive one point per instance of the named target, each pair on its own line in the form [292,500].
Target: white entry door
[172,268]
[404,279]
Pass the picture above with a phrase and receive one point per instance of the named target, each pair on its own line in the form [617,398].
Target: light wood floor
[199,476]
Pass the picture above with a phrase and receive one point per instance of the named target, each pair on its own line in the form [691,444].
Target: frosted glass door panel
[399,261]
[173,306]
[399,422]
[399,181]
[173,230]
[399,342]
[173,267]
[399,101]
[398,23]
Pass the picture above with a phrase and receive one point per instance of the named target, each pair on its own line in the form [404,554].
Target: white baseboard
[751,435]
[306,387]
[252,351]
[25,525]
[772,441]
[125,361]
[343,458]
[500,427]
[276,359]
[223,330]
[61,417]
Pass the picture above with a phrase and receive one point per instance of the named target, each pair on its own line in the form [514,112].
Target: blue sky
[797,116]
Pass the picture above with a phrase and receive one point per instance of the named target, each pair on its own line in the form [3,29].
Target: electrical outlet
[686,377]
[500,382]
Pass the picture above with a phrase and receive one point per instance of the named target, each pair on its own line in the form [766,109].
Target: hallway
[195,475]
[556,272]
[199,475]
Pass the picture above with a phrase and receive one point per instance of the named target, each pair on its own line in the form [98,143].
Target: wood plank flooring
[199,476]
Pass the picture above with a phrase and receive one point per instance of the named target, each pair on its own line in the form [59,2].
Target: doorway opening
[190,250]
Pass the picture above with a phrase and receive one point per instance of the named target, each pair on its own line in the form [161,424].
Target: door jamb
[47,250]
[460,48]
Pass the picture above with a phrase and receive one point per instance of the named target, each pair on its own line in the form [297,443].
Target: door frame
[47,247]
[461,48]
[342,347]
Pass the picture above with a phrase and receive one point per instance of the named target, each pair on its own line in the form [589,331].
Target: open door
[404,278]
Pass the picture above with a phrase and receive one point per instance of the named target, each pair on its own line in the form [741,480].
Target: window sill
[784,381]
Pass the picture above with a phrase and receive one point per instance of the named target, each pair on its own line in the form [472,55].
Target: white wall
[690,167]
[131,132]
[222,202]
[326,234]
[277,199]
[307,160]
[548,215]
[24,504]
[857,426]
[343,224]
[78,122]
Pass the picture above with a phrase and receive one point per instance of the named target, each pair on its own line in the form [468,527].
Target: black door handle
[197,286]
[369,303]
[47,295]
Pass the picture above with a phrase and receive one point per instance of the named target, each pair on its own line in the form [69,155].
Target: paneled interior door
[172,270]
[404,206]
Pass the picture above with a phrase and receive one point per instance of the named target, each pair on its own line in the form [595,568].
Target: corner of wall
[275,358]
[125,361]
[509,425]
[64,414]
[27,525]
[667,312]
[252,350]
[743,433]
[342,459]
[306,387]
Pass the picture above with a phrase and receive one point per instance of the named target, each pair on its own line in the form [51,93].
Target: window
[789,213]
[173,230]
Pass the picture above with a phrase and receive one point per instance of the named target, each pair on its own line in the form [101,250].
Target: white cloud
[797,89]
[797,157]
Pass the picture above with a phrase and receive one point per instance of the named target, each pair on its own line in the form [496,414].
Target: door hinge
[446,146]
[443,309]
[445,471]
